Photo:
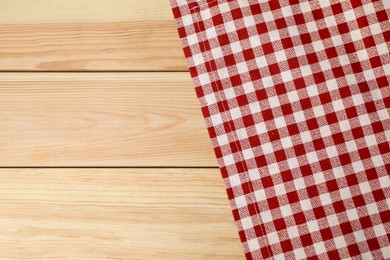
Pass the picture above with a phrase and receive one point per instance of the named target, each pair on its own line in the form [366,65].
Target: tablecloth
[296,98]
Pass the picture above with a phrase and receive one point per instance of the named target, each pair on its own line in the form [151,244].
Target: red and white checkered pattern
[296,98]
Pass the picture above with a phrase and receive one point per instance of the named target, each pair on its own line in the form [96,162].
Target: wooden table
[103,150]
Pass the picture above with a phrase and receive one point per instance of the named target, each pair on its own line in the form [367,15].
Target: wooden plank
[115,214]
[101,119]
[89,35]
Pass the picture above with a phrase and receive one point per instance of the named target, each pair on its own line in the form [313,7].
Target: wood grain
[115,214]
[89,35]
[131,118]
[101,119]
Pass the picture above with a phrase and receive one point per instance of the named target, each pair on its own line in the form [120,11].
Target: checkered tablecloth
[296,97]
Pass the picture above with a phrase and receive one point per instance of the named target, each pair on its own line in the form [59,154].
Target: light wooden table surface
[103,151]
